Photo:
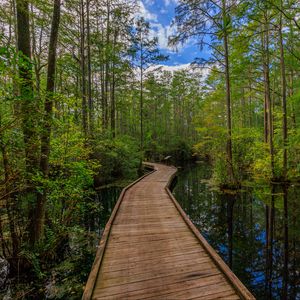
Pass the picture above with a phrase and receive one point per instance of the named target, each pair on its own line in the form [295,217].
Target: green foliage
[212,145]
[294,151]
[153,151]
[219,176]
[243,139]
[67,279]
[261,166]
[179,149]
[33,260]
[118,157]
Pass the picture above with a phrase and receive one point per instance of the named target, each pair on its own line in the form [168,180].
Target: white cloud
[157,29]
[162,33]
[145,13]
[202,72]
[170,68]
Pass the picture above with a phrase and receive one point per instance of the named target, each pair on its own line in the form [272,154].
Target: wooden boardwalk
[151,250]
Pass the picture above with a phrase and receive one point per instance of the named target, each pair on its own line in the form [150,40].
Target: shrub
[119,157]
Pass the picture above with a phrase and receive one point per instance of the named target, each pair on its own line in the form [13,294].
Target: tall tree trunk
[113,105]
[46,132]
[291,93]
[107,67]
[113,94]
[228,94]
[291,90]
[29,111]
[141,107]
[90,100]
[268,101]
[15,83]
[35,57]
[101,71]
[83,69]
[29,107]
[266,130]
[284,97]
[103,106]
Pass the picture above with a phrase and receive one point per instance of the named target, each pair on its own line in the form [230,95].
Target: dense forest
[85,97]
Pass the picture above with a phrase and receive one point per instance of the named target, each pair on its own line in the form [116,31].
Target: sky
[160,13]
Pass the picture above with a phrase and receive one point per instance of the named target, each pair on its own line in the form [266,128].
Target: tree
[283,91]
[145,53]
[210,22]
[84,105]
[47,122]
[29,109]
[260,74]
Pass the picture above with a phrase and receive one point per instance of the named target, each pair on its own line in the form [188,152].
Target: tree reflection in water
[256,231]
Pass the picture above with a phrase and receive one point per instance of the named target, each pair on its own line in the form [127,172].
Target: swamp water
[256,231]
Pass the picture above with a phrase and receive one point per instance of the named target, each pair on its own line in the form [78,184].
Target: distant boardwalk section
[151,250]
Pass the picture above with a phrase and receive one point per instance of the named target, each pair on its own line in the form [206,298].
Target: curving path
[150,250]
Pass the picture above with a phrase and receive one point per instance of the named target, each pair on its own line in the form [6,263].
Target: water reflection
[256,231]
[106,198]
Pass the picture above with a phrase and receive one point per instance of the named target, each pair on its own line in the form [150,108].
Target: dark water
[256,232]
[107,198]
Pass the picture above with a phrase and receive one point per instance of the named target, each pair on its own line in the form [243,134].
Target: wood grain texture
[151,250]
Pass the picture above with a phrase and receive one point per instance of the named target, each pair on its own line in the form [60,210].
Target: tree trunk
[266,131]
[228,96]
[107,69]
[46,132]
[83,69]
[90,100]
[141,108]
[284,97]
[113,87]
[266,58]
[26,86]
[28,111]
[113,106]
[291,90]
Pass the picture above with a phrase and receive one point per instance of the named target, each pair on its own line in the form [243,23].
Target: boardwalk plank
[158,283]
[153,258]
[175,287]
[153,263]
[141,272]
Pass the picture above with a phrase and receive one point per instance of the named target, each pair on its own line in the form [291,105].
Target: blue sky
[160,14]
